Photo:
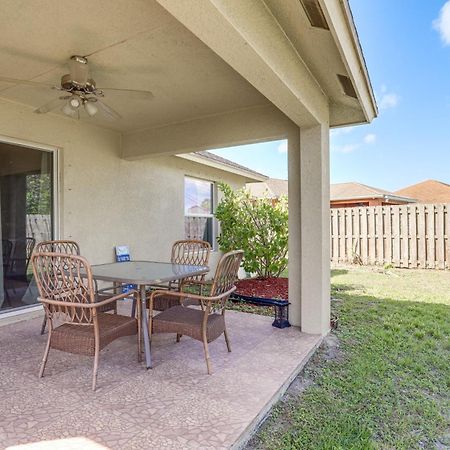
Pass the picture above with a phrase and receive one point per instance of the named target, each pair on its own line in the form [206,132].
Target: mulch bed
[263,288]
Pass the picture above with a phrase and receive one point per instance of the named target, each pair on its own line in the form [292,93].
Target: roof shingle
[428,191]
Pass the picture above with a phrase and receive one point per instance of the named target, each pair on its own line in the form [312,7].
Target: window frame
[56,204]
[214,230]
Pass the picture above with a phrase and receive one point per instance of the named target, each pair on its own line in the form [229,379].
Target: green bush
[257,226]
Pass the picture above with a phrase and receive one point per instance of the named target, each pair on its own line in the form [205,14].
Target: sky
[406,44]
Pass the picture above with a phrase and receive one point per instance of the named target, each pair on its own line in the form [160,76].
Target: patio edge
[251,429]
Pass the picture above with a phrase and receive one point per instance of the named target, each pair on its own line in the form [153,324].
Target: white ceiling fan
[79,92]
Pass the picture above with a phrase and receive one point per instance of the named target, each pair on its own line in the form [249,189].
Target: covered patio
[222,73]
[175,405]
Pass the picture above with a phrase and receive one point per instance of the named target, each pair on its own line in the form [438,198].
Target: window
[199,209]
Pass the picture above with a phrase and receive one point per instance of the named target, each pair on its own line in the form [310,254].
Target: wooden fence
[414,235]
[39,226]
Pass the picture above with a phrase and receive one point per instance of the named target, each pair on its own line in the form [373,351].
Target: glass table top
[145,272]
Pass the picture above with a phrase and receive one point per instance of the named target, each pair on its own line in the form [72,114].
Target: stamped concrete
[175,405]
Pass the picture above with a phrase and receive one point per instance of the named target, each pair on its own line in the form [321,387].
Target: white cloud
[442,23]
[347,148]
[282,147]
[370,138]
[389,100]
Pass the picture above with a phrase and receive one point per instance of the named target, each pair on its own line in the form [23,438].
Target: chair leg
[227,340]
[94,375]
[44,324]
[208,362]
[139,333]
[179,337]
[47,349]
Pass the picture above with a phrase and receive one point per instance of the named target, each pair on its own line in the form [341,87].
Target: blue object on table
[123,255]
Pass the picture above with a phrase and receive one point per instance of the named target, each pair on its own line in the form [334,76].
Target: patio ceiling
[269,55]
[134,44]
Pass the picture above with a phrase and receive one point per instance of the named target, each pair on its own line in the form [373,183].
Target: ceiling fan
[80,92]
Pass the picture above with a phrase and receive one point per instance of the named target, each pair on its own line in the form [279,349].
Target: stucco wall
[105,200]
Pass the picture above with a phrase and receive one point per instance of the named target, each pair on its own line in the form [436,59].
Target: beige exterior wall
[105,200]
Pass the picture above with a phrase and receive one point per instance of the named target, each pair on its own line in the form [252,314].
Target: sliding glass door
[27,217]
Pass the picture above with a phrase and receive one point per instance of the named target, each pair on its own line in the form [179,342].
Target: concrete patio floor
[175,405]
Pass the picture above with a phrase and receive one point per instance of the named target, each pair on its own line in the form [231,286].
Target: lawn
[382,379]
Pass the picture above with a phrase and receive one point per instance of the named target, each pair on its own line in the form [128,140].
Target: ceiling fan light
[91,108]
[74,102]
[68,110]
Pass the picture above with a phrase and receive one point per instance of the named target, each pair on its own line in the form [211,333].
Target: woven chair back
[191,252]
[66,279]
[226,272]
[30,242]
[60,246]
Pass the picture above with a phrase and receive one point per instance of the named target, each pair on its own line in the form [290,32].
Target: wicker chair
[205,324]
[192,252]
[66,289]
[71,248]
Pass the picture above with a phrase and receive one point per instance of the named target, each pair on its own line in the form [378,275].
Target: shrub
[257,226]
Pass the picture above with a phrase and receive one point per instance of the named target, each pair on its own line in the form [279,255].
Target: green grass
[382,379]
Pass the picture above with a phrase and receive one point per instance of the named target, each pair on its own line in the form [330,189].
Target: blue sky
[406,44]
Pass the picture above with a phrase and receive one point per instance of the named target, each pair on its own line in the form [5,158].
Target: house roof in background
[428,191]
[271,188]
[274,188]
[212,160]
[346,191]
[353,190]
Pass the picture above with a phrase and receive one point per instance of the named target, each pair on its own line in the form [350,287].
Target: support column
[315,229]
[309,229]
[295,253]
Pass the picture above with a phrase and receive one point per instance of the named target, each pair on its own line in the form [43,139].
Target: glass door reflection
[26,212]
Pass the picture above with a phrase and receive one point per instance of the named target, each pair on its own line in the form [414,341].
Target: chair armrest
[86,305]
[190,296]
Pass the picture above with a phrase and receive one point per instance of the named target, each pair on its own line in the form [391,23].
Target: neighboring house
[272,188]
[429,191]
[348,195]
[221,74]
[342,195]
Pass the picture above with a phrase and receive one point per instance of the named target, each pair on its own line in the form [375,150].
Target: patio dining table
[143,274]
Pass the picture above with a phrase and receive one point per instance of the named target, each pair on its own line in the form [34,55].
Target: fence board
[440,249]
[379,235]
[412,211]
[364,238]
[405,236]
[388,234]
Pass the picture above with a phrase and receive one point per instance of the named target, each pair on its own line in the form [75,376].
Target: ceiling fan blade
[109,112]
[27,82]
[53,104]
[132,93]
[79,70]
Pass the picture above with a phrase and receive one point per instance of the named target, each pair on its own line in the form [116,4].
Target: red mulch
[263,287]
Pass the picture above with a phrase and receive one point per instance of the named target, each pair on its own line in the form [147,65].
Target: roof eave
[249,176]
[342,27]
